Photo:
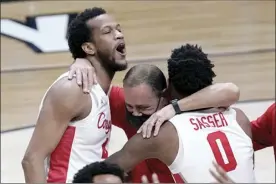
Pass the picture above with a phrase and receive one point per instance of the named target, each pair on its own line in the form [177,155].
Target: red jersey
[118,118]
[264,130]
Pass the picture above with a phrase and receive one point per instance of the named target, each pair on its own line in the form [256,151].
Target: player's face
[141,103]
[109,42]
[106,178]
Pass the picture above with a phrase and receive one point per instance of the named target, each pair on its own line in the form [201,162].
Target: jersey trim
[178,178]
[175,167]
[59,159]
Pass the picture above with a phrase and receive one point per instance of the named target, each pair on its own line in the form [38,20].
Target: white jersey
[207,137]
[84,141]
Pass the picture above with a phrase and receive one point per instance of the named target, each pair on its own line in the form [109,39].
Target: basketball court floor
[13,145]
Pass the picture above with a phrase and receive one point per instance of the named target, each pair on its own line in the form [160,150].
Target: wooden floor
[238,35]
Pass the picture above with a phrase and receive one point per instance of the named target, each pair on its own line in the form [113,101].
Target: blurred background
[239,37]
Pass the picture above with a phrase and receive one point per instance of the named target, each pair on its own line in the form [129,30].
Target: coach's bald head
[144,87]
[146,74]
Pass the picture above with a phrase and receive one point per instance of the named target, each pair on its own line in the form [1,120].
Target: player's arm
[134,151]
[138,149]
[262,129]
[63,102]
[216,95]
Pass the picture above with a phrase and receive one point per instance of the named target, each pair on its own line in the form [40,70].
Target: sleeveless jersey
[84,141]
[207,137]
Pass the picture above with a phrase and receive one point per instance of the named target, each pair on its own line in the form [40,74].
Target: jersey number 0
[229,163]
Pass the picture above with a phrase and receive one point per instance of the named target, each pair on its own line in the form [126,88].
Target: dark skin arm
[163,147]
[64,101]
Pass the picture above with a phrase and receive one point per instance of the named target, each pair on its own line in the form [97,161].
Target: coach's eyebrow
[143,106]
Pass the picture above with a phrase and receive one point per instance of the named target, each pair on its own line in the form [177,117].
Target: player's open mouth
[121,48]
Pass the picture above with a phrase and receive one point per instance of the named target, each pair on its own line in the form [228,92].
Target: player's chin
[121,64]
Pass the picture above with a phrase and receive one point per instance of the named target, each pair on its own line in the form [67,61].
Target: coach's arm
[262,130]
[62,103]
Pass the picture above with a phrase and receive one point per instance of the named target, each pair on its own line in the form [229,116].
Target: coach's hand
[84,73]
[220,175]
[156,120]
[154,179]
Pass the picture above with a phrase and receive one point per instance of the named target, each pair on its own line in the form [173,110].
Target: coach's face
[141,102]
[108,42]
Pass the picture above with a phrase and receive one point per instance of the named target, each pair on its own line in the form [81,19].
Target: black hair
[79,32]
[87,173]
[146,73]
[189,69]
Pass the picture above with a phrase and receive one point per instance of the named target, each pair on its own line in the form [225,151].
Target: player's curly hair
[189,69]
[87,173]
[79,32]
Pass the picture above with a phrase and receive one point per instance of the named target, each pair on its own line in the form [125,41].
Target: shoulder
[270,112]
[266,119]
[243,121]
[271,108]
[116,98]
[65,86]
[240,115]
[116,91]
[64,93]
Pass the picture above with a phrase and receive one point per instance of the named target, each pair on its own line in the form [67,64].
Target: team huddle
[176,127]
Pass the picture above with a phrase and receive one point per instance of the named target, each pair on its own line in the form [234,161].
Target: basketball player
[189,142]
[73,128]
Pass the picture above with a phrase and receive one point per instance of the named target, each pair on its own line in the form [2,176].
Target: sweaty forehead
[139,95]
[102,21]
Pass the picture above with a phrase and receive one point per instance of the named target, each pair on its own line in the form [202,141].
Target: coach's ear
[88,48]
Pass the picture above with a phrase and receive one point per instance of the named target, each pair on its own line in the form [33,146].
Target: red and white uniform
[84,141]
[207,137]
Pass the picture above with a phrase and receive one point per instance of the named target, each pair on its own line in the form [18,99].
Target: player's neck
[104,76]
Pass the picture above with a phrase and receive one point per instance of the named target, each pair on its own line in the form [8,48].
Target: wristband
[176,106]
